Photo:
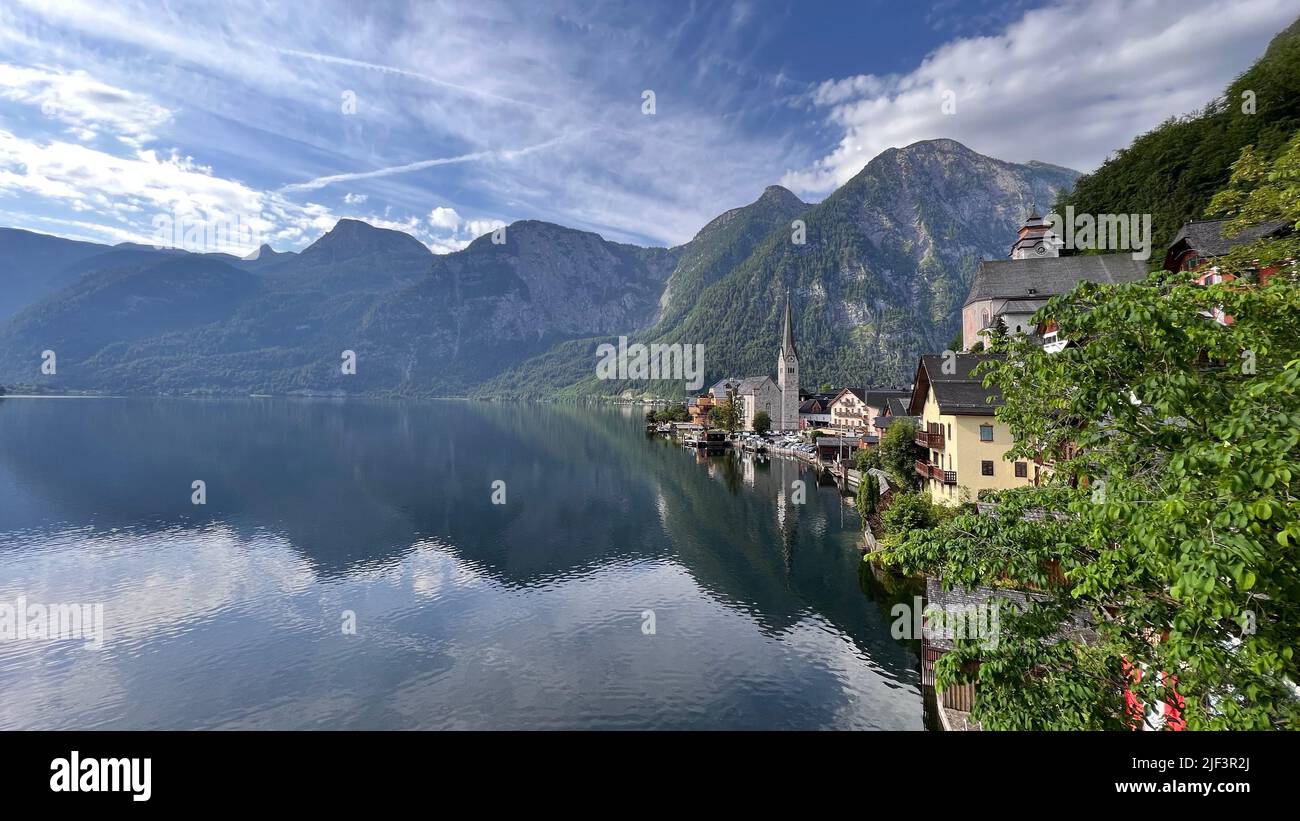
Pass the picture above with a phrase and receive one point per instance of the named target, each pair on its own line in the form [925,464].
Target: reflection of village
[960,443]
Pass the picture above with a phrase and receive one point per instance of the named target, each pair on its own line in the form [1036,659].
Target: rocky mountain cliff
[880,278]
[886,263]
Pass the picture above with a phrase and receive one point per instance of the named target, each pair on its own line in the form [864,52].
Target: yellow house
[965,445]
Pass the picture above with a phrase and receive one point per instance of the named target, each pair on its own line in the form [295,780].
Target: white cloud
[445,218]
[150,185]
[84,104]
[1065,84]
[477,228]
[355,199]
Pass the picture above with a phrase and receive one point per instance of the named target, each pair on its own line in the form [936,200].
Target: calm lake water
[468,614]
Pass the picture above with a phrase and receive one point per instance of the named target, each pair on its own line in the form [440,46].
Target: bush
[911,511]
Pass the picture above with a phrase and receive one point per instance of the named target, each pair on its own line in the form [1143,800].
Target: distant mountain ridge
[887,262]
[880,278]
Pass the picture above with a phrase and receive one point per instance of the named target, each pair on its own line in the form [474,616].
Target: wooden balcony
[931,439]
[929,471]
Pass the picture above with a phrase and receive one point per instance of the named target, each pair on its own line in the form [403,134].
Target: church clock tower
[787,375]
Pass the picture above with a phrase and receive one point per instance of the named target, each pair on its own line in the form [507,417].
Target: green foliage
[899,453]
[868,499]
[673,413]
[725,415]
[866,458]
[762,422]
[910,512]
[1171,520]
[1172,171]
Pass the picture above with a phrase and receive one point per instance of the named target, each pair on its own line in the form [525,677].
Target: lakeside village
[912,456]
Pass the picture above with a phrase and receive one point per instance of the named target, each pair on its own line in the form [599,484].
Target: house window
[986,468]
[1022,470]
[986,433]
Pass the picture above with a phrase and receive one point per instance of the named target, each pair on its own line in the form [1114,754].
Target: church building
[779,399]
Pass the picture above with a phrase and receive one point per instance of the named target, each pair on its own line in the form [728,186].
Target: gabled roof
[1207,239]
[860,393]
[958,393]
[813,406]
[897,406]
[1041,277]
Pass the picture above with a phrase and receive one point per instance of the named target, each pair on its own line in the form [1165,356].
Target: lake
[350,568]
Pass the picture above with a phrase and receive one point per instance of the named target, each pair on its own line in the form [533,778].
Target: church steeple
[787,373]
[787,333]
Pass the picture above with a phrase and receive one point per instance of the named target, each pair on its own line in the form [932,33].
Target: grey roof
[751,384]
[1206,236]
[719,388]
[838,441]
[1022,306]
[898,405]
[1049,276]
[879,398]
[884,422]
[958,393]
[882,479]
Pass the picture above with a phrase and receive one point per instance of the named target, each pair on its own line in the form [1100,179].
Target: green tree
[762,422]
[866,458]
[908,513]
[673,413]
[725,415]
[899,453]
[868,500]
[1170,519]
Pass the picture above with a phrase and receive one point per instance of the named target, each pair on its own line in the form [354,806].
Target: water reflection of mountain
[352,483]
[345,482]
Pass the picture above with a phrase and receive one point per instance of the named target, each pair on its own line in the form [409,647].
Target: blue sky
[473,114]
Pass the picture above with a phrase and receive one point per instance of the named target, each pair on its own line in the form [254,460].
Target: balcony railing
[929,471]
[930,440]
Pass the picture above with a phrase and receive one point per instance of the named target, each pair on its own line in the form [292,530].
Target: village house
[699,406]
[815,411]
[896,409]
[965,444]
[855,410]
[847,409]
[1199,243]
[1011,290]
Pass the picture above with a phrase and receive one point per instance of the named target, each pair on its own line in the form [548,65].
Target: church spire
[787,333]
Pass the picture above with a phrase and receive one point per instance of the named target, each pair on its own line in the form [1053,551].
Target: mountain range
[879,278]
